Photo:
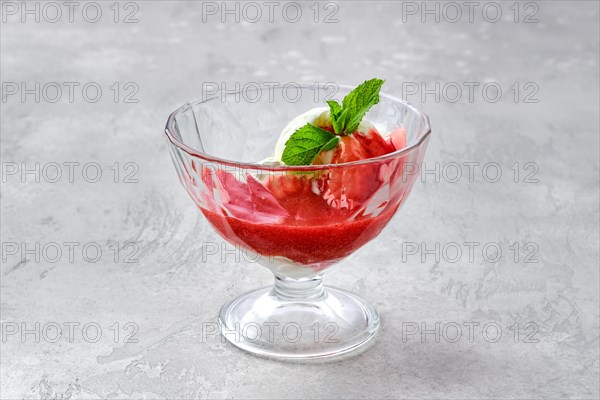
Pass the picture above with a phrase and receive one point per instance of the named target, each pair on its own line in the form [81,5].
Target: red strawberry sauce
[305,244]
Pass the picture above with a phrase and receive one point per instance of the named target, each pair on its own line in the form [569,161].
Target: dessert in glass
[299,185]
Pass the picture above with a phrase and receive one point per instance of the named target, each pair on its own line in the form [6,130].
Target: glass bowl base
[330,325]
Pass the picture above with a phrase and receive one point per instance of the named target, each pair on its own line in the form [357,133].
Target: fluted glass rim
[169,131]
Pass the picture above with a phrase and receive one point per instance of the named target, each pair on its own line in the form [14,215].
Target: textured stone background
[171,292]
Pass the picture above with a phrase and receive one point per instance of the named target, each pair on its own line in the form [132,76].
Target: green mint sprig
[307,142]
[345,118]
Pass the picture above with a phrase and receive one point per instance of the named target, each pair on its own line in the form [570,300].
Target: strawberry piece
[350,187]
[263,200]
[298,195]
[248,200]
[398,138]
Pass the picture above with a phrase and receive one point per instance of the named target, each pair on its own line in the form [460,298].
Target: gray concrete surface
[170,294]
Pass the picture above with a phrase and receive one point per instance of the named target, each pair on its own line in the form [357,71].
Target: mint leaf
[359,101]
[306,143]
[331,144]
[335,111]
[346,118]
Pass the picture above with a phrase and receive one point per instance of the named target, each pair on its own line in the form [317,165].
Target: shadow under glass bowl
[296,221]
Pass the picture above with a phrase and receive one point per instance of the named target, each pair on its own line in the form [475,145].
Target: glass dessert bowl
[295,220]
